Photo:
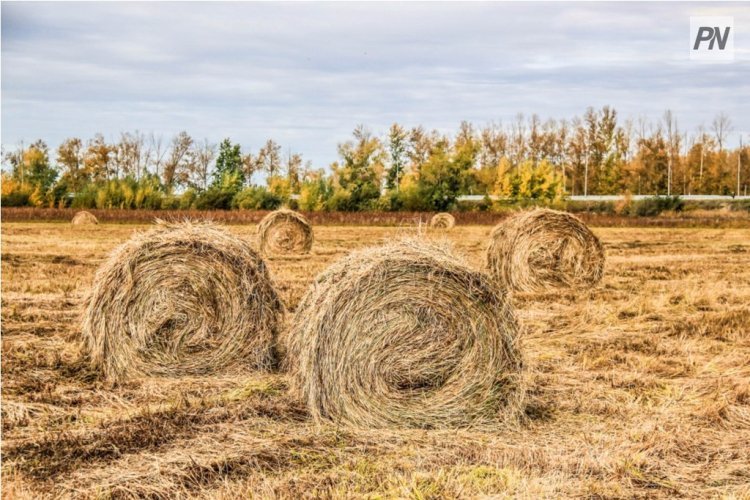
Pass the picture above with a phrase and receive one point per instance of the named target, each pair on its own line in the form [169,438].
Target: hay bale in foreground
[406,335]
[84,218]
[442,220]
[285,231]
[182,299]
[544,249]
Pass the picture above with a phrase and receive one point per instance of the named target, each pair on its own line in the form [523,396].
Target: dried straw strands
[406,335]
[544,249]
[285,231]
[84,218]
[181,299]
[442,220]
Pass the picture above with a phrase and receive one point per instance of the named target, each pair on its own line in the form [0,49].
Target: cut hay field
[638,388]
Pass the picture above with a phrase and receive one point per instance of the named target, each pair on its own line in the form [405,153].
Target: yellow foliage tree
[528,181]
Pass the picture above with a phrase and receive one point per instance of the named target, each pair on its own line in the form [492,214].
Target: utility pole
[685,165]
[586,176]
[700,176]
[21,164]
[739,164]
[562,168]
[669,170]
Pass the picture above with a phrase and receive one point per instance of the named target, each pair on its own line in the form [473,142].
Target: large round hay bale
[182,299]
[84,218]
[442,220]
[406,335]
[544,249]
[285,231]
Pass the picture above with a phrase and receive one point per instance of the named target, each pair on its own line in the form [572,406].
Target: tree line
[401,169]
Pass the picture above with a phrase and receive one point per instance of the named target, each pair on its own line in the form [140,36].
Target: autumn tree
[97,159]
[269,158]
[131,155]
[293,171]
[398,144]
[180,161]
[358,176]
[70,156]
[204,154]
[529,181]
[447,172]
[228,174]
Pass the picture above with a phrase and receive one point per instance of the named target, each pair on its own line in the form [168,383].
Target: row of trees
[405,168]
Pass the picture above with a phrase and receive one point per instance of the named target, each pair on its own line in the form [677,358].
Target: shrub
[214,199]
[188,198]
[256,198]
[658,204]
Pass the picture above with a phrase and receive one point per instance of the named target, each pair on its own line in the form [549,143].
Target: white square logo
[711,38]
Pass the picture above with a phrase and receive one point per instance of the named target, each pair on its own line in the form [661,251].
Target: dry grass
[84,218]
[285,231]
[637,389]
[737,219]
[406,335]
[181,299]
[544,249]
[442,221]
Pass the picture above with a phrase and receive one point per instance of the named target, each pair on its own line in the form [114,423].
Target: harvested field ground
[637,388]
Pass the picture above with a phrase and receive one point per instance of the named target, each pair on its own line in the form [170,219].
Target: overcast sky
[306,74]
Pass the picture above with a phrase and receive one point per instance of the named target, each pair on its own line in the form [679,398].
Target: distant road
[617,197]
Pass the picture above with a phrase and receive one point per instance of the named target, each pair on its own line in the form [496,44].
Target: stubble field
[637,388]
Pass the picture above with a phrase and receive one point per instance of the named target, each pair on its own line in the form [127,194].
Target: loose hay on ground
[442,221]
[83,218]
[406,335]
[285,231]
[543,249]
[182,299]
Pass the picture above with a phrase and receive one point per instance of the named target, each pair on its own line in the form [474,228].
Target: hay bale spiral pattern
[406,335]
[83,218]
[442,220]
[285,231]
[181,299]
[544,249]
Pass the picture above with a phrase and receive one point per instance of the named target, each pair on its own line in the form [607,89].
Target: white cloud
[307,73]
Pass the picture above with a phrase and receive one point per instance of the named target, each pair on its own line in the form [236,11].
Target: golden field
[639,387]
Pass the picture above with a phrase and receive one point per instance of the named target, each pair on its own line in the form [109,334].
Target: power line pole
[586,176]
[739,164]
[703,144]
[685,165]
[669,170]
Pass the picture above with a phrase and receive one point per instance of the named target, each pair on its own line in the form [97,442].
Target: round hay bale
[442,220]
[544,249]
[84,218]
[182,299]
[406,335]
[285,231]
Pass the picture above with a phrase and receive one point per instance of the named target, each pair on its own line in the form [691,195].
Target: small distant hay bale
[406,335]
[84,218]
[182,299]
[544,249]
[285,231]
[442,220]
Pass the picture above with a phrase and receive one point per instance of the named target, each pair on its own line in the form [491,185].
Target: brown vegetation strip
[28,214]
